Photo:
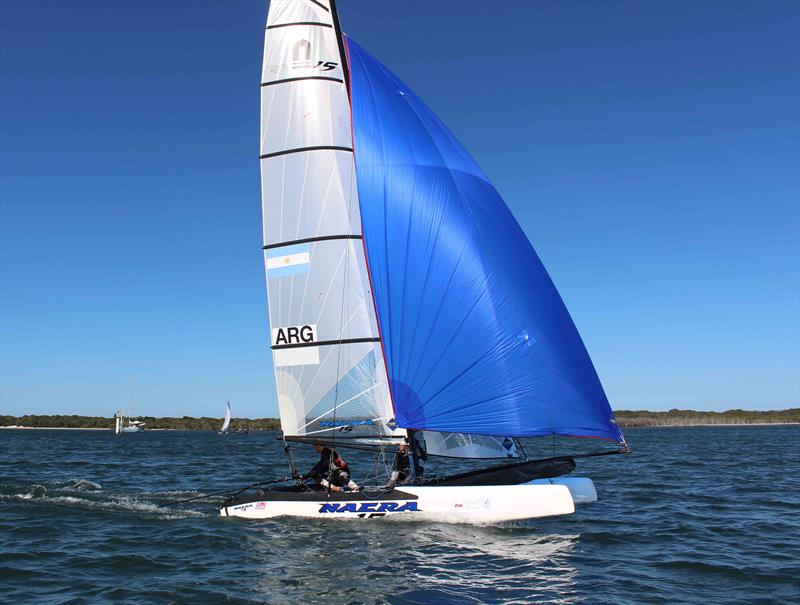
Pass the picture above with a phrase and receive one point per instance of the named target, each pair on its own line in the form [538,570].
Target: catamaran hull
[483,504]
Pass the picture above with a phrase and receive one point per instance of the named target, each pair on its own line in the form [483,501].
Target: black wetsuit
[330,468]
[401,467]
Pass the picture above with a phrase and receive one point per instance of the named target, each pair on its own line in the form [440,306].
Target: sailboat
[134,426]
[128,425]
[406,305]
[124,423]
[227,421]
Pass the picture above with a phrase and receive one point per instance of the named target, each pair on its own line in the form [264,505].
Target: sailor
[331,471]
[401,467]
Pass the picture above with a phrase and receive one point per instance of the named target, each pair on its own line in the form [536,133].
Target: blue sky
[651,151]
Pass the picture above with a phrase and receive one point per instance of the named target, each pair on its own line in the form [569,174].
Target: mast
[130,399]
[337,28]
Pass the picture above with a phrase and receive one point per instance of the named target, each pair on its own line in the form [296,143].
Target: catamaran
[406,304]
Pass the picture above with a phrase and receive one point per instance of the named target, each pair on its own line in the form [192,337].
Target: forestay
[329,367]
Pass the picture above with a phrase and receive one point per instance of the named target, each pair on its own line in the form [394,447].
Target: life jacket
[339,462]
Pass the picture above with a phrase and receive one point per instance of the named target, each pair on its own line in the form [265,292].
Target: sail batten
[322,343]
[273,154]
[320,238]
[301,79]
[313,23]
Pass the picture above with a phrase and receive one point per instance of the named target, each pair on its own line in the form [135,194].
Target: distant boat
[408,310]
[134,426]
[124,423]
[224,430]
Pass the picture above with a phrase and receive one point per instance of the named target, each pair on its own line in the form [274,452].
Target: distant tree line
[99,422]
[676,417]
[626,419]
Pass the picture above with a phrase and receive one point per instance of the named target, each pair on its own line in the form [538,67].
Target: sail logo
[346,425]
[326,65]
[298,342]
[301,51]
[368,507]
[288,260]
[319,65]
[301,57]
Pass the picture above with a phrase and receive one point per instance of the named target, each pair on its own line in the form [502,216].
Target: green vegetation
[626,419]
[99,422]
[675,417]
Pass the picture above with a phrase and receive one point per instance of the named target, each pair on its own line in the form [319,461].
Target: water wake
[93,497]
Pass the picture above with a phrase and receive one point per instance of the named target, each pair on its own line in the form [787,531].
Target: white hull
[474,504]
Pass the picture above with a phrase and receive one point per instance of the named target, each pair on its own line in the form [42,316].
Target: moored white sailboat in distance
[124,423]
[406,304]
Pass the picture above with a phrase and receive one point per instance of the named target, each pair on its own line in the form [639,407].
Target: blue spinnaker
[476,337]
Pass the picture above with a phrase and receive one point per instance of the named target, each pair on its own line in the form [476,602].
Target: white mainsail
[226,422]
[329,367]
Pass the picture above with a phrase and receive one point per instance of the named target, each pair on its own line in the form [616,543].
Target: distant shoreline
[152,423]
[622,425]
[646,426]
[76,428]
[708,424]
[626,419]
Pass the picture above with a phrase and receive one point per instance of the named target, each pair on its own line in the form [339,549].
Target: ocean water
[695,515]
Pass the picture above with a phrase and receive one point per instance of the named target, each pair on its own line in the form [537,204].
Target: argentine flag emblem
[288,260]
